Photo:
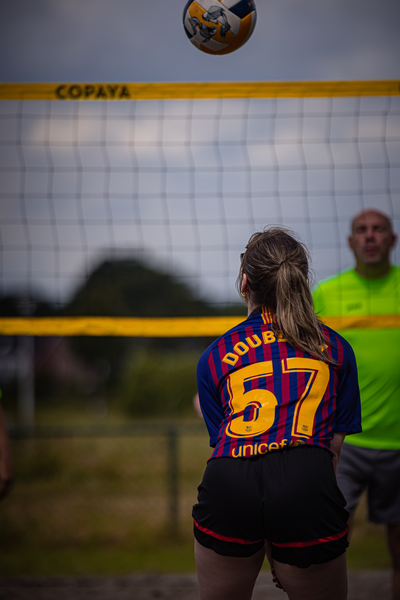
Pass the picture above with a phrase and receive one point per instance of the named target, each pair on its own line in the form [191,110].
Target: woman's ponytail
[276,266]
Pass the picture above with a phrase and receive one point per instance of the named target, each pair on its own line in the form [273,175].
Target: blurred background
[141,209]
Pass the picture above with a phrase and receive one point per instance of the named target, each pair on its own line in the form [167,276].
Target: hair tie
[286,260]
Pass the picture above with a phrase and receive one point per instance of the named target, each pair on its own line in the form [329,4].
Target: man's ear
[350,242]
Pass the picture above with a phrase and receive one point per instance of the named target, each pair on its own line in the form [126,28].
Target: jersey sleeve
[348,407]
[210,401]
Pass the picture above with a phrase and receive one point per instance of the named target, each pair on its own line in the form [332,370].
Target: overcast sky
[65,200]
[144,40]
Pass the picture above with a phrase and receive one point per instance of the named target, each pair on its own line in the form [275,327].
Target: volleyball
[219,26]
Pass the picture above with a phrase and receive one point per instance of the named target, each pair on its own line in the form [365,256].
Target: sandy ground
[363,585]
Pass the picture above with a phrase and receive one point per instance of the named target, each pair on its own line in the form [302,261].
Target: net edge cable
[196,90]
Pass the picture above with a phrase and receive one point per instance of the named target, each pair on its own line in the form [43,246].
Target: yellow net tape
[119,326]
[160,327]
[196,90]
[372,322]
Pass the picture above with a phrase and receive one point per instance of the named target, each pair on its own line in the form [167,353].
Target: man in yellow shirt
[366,301]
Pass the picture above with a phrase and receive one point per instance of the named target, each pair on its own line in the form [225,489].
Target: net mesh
[182,184]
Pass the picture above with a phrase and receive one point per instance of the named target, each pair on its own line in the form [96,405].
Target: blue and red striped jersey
[259,393]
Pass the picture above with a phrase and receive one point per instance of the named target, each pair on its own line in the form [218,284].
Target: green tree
[128,288]
[161,383]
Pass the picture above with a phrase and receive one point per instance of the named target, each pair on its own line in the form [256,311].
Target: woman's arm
[336,446]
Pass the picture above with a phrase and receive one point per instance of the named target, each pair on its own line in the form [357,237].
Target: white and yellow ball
[219,26]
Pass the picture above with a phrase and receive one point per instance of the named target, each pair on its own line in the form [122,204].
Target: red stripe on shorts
[224,538]
[331,538]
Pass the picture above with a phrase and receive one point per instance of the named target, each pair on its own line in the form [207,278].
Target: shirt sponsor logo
[354,306]
[255,449]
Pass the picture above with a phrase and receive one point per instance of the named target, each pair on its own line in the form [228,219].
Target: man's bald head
[371,214]
[371,240]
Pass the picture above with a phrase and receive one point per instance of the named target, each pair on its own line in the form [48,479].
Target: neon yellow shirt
[370,321]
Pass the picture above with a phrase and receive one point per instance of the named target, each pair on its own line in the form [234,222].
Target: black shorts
[289,497]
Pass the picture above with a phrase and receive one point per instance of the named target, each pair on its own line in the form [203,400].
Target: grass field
[102,505]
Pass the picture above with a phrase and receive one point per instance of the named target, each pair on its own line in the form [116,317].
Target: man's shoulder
[396,270]
[341,278]
[392,282]
[338,294]
[350,294]
[350,276]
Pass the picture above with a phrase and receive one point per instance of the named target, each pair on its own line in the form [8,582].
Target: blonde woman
[278,393]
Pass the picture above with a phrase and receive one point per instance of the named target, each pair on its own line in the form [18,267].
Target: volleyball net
[178,176]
